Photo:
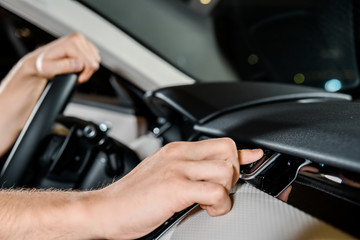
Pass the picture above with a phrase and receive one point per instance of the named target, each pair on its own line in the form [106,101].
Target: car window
[171,29]
[301,42]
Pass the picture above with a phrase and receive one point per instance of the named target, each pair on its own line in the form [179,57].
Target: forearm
[19,92]
[46,215]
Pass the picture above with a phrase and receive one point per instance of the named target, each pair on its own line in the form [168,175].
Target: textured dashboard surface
[255,215]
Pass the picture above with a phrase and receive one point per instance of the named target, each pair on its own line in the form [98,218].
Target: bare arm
[31,214]
[168,181]
[25,82]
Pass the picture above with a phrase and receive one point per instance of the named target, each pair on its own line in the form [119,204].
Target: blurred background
[301,42]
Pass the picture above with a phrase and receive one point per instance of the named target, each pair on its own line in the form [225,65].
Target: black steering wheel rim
[51,102]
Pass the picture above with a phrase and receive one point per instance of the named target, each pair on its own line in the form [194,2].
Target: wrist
[77,216]
[86,208]
[23,79]
[101,209]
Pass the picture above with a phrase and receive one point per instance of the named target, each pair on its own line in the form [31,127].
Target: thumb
[50,68]
[247,156]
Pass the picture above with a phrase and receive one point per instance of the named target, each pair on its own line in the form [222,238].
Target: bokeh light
[253,59]
[333,85]
[299,78]
[205,2]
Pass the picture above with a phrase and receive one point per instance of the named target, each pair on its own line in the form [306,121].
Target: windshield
[303,42]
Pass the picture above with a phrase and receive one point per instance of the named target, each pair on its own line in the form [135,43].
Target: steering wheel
[51,102]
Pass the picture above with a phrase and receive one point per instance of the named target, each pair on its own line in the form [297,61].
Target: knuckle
[218,194]
[223,210]
[228,144]
[171,150]
[226,172]
[93,67]
[228,141]
[230,151]
[76,35]
[75,40]
[227,167]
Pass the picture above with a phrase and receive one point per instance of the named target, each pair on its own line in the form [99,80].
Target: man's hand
[70,54]
[25,82]
[175,177]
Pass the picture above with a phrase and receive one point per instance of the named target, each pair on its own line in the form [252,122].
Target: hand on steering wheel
[70,54]
[21,89]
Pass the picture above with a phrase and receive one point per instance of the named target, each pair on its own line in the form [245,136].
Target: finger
[85,55]
[310,169]
[212,197]
[215,171]
[88,50]
[75,46]
[72,46]
[87,73]
[284,196]
[51,68]
[247,156]
[94,51]
[87,47]
[212,149]
[220,148]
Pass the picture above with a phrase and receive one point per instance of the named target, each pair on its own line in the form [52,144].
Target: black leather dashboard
[301,121]
[326,132]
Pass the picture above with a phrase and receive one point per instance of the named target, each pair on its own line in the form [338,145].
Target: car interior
[285,79]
